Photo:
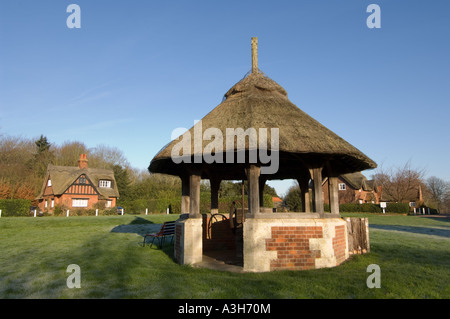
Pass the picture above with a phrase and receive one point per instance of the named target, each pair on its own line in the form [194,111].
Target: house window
[53,203]
[342,187]
[49,183]
[108,203]
[83,180]
[104,183]
[46,204]
[80,202]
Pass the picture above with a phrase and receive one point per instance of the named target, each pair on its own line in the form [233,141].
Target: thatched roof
[63,177]
[358,181]
[259,102]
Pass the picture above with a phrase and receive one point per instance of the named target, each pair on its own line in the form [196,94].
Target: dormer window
[104,183]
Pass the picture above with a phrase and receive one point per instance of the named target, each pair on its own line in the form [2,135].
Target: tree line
[24,162]
[399,184]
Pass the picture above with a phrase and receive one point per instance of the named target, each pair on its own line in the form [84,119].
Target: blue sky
[136,70]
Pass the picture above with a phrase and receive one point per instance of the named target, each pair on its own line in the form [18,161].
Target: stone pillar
[189,232]
[185,202]
[253,189]
[215,185]
[188,247]
[333,194]
[318,193]
[304,193]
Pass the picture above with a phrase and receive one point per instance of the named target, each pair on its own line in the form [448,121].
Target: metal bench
[167,229]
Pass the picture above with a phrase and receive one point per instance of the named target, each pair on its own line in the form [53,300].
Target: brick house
[354,188]
[78,187]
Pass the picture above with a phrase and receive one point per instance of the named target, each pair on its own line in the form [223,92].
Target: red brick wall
[339,244]
[292,247]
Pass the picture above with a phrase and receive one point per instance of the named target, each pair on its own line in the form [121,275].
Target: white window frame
[108,203]
[342,187]
[49,182]
[103,183]
[53,203]
[80,202]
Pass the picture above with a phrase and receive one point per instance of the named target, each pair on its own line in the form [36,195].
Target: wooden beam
[304,193]
[215,185]
[185,195]
[194,194]
[253,189]
[333,194]
[318,193]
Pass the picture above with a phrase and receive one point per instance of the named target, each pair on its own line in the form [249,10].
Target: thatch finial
[254,55]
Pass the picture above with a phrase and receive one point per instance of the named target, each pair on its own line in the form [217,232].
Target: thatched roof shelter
[303,148]
[259,102]
[258,134]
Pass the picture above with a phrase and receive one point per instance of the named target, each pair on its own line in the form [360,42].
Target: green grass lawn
[413,254]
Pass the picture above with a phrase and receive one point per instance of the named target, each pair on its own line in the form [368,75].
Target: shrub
[400,208]
[15,207]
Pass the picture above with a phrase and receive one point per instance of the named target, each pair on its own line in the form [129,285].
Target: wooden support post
[215,185]
[318,193]
[194,194]
[333,194]
[304,193]
[262,183]
[254,55]
[253,189]
[185,196]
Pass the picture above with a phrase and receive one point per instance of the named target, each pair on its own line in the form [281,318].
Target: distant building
[78,187]
[354,188]
[277,203]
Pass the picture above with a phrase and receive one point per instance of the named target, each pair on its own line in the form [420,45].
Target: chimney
[83,162]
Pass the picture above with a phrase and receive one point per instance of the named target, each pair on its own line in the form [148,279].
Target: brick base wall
[292,247]
[340,244]
[294,244]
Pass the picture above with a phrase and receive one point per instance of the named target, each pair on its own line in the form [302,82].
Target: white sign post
[383,205]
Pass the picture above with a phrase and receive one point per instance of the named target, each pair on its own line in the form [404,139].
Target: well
[257,134]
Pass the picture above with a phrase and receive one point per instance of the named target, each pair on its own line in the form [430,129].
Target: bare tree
[439,191]
[400,184]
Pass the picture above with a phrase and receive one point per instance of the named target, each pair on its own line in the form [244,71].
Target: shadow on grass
[142,227]
[138,226]
[416,230]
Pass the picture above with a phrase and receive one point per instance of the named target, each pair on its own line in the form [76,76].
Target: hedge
[15,207]
[160,205]
[400,208]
